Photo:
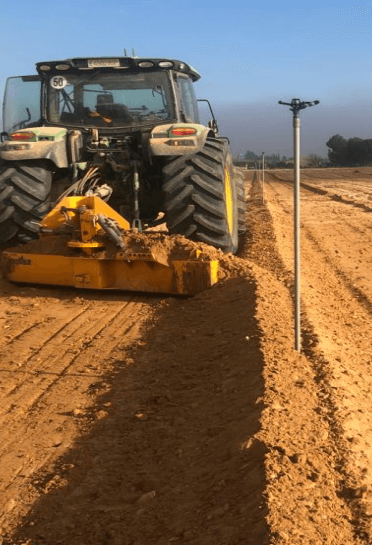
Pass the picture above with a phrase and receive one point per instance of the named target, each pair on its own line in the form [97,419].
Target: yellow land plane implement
[84,243]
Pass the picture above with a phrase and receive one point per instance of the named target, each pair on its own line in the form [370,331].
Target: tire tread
[194,195]
[24,200]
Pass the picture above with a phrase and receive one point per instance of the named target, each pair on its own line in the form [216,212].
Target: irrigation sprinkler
[295,106]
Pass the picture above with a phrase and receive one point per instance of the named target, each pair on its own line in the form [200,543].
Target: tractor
[125,131]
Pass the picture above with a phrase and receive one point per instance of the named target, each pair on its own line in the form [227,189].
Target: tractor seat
[107,106]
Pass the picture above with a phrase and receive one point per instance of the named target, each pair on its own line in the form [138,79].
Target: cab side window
[188,99]
[22,103]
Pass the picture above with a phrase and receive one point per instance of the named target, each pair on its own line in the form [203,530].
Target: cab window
[110,100]
[21,107]
[188,99]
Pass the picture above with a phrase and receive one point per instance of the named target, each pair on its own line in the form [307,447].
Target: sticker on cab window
[58,82]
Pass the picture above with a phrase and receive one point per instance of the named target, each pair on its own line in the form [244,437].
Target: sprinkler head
[296,105]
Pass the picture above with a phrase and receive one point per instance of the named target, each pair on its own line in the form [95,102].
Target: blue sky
[250,56]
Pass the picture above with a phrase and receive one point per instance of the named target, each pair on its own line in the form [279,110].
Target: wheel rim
[229,201]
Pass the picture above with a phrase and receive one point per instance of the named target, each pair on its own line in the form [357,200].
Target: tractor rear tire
[200,196]
[240,188]
[24,200]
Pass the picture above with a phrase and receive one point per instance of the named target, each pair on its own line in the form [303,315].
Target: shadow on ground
[169,453]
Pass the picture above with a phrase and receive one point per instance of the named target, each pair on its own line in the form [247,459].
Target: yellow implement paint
[74,250]
[229,200]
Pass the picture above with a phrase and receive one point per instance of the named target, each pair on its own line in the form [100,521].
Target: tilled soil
[131,419]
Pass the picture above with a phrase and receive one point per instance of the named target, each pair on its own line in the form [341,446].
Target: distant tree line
[273,159]
[351,152]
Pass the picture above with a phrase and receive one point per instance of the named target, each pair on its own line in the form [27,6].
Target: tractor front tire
[24,200]
[200,196]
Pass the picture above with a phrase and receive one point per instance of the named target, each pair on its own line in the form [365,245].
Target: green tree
[337,149]
[250,156]
[355,152]
[367,147]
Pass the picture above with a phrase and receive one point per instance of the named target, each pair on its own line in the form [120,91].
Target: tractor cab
[106,93]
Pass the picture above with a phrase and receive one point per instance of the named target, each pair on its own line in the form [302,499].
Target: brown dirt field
[131,419]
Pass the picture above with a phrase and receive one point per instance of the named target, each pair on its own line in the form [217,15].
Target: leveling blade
[186,276]
[84,243]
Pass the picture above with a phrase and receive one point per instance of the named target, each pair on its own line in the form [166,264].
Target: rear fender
[163,142]
[47,143]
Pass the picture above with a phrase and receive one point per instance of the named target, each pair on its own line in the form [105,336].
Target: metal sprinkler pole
[295,106]
[296,205]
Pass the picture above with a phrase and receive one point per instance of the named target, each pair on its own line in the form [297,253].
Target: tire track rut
[52,363]
[307,230]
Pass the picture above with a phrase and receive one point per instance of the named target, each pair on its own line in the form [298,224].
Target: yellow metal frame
[229,200]
[82,213]
[81,261]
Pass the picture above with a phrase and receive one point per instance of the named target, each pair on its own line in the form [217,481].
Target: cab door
[22,103]
[188,99]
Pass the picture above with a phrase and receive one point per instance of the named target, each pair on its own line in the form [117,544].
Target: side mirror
[212,124]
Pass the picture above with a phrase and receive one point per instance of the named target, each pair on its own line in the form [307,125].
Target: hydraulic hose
[111,229]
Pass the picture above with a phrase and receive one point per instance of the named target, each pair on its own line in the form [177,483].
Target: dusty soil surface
[129,419]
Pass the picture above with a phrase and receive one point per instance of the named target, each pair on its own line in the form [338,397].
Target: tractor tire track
[55,355]
[339,224]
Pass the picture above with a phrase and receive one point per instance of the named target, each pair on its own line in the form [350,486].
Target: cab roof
[116,63]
